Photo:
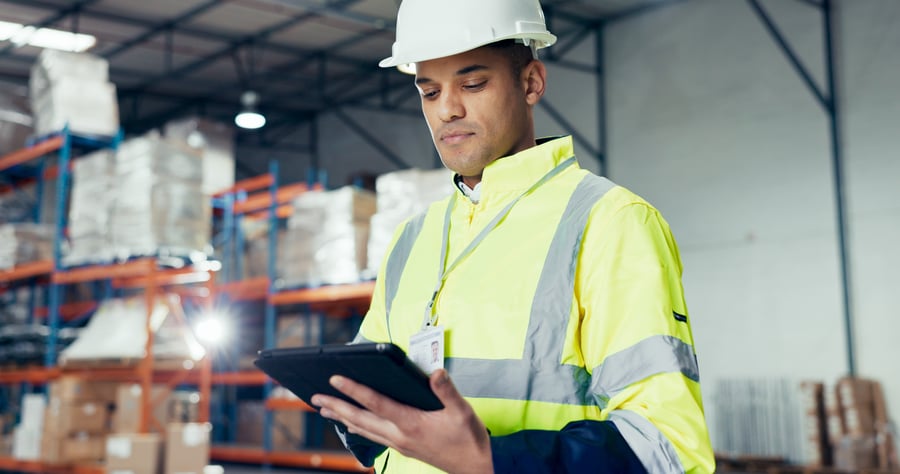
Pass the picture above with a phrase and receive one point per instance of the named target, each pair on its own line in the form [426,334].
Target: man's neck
[471,181]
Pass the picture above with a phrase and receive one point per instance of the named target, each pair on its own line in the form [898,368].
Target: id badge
[426,349]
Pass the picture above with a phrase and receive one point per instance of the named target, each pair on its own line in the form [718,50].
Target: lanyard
[444,270]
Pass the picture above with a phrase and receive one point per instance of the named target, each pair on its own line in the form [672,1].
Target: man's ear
[534,77]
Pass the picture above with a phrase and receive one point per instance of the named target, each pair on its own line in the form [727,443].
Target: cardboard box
[84,448]
[855,396]
[74,388]
[126,417]
[187,448]
[51,449]
[68,418]
[133,453]
[816,446]
[855,453]
[288,427]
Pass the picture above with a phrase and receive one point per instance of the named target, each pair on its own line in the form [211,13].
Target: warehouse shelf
[68,311]
[254,289]
[310,460]
[26,271]
[247,377]
[25,155]
[323,295]
[16,465]
[288,404]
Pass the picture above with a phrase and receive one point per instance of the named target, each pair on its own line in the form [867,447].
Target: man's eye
[429,94]
[477,86]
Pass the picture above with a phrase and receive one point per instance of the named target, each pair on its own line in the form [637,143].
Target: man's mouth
[453,138]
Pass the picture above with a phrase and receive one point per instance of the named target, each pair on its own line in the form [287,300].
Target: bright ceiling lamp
[249,118]
[22,35]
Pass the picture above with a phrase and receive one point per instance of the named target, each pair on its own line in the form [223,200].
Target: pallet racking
[142,275]
[262,198]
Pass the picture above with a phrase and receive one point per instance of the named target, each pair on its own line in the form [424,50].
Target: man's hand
[452,439]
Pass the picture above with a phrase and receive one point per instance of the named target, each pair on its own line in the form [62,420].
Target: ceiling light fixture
[249,118]
[23,35]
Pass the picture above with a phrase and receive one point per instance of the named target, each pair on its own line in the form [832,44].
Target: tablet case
[382,366]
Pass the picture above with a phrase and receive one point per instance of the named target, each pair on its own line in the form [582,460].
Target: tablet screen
[382,366]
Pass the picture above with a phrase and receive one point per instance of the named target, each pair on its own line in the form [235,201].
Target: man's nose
[451,107]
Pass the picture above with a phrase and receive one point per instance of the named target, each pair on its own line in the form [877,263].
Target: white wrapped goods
[90,208]
[73,89]
[325,242]
[25,243]
[401,195]
[215,142]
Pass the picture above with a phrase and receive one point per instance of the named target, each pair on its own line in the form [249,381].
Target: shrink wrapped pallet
[15,120]
[25,243]
[215,142]
[325,239]
[401,195]
[89,209]
[159,206]
[73,89]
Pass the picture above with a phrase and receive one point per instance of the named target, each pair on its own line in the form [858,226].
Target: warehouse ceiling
[172,58]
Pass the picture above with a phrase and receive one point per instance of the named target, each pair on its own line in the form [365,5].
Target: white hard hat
[431,29]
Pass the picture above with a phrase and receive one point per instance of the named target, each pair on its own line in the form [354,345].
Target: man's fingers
[365,396]
[446,392]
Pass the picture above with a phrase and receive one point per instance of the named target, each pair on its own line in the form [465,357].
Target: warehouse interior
[763,130]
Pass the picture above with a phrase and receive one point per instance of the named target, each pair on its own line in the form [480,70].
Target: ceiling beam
[158,28]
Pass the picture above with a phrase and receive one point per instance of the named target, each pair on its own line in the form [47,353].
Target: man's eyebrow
[461,72]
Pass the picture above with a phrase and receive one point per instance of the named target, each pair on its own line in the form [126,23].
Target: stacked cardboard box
[864,439]
[288,433]
[76,421]
[130,453]
[815,434]
[73,89]
[187,448]
[325,240]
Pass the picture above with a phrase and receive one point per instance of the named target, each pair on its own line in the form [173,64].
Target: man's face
[476,110]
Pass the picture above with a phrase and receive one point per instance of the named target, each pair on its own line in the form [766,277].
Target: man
[555,295]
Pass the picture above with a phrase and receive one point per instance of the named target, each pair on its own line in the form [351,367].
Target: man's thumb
[443,387]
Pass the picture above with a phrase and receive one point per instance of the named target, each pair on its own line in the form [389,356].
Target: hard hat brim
[543,40]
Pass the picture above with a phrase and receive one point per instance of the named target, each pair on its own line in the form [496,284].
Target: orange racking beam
[101,272]
[249,185]
[245,290]
[68,311]
[248,377]
[27,154]
[288,404]
[262,201]
[35,375]
[26,270]
[325,294]
[307,459]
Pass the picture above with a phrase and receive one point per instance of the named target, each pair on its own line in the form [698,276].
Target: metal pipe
[834,128]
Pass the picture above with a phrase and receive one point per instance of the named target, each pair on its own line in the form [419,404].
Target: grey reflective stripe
[654,355]
[649,445]
[397,262]
[548,380]
[552,302]
[503,379]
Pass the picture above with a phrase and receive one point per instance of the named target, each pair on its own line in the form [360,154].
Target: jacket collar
[519,171]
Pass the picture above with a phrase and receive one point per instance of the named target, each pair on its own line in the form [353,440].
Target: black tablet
[382,366]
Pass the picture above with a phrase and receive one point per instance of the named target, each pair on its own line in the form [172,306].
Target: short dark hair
[519,55]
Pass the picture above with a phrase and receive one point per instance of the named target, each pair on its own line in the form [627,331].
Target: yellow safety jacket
[570,308]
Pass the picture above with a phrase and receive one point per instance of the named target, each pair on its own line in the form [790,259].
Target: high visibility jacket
[570,309]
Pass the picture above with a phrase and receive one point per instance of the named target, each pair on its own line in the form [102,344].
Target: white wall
[710,123]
